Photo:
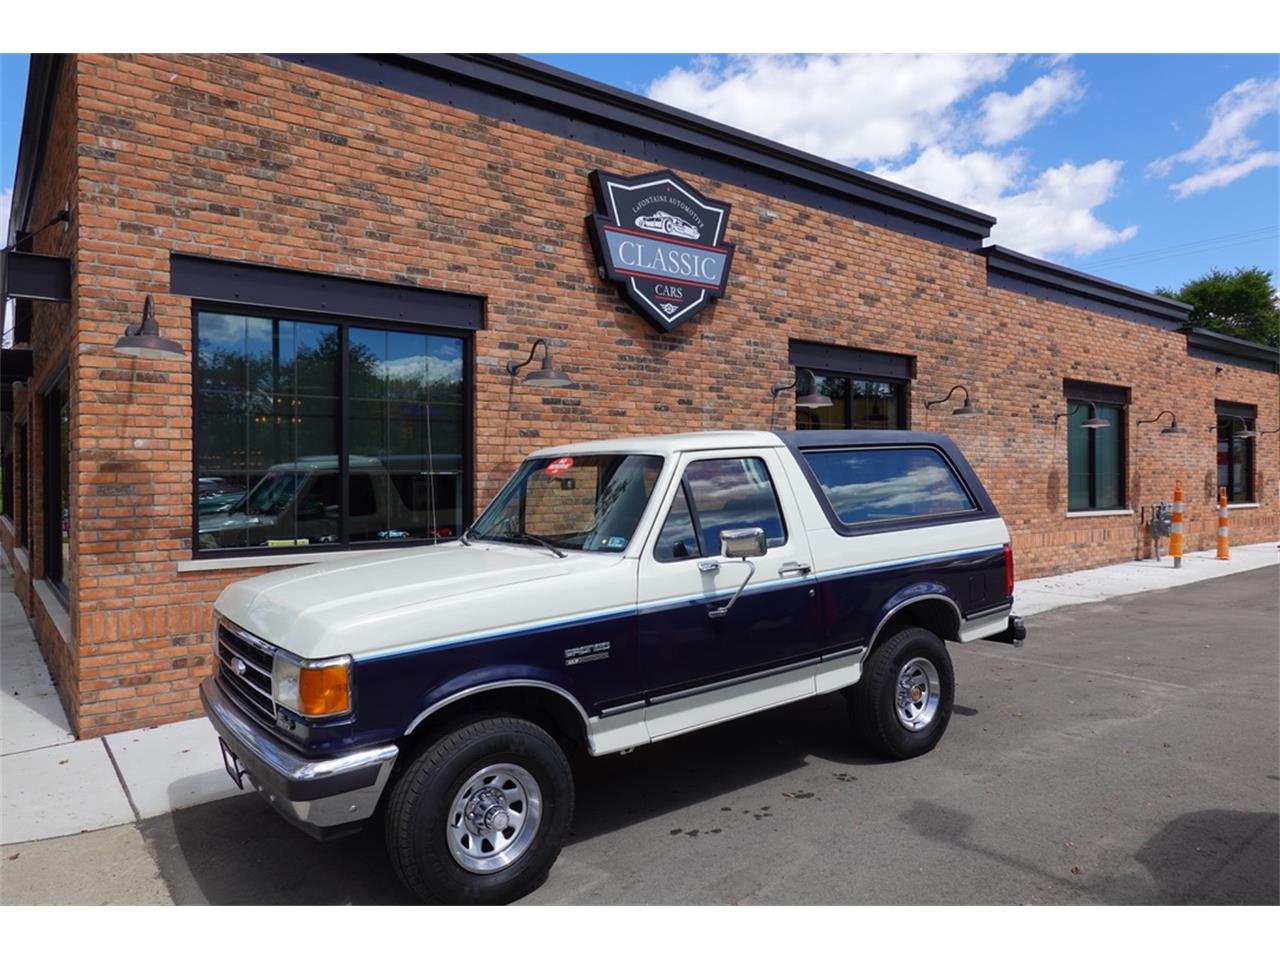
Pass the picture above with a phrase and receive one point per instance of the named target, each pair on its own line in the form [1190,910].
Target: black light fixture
[1246,433]
[547,375]
[966,410]
[142,339]
[1263,433]
[1173,424]
[1094,422]
[808,401]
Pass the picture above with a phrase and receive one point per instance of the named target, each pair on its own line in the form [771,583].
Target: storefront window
[1095,458]
[57,501]
[1235,454]
[272,417]
[856,403]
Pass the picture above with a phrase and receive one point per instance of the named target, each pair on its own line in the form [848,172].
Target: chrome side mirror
[743,543]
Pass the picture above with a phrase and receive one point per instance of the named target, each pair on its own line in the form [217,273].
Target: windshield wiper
[520,536]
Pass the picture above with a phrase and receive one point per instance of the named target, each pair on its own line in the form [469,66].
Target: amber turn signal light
[324,691]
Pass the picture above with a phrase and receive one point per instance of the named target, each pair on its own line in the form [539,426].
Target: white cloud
[1008,116]
[1039,214]
[1222,175]
[858,108]
[1226,152]
[920,120]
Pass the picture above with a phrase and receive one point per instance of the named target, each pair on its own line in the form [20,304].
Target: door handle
[792,569]
[708,566]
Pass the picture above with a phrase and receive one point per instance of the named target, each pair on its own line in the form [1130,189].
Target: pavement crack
[137,816]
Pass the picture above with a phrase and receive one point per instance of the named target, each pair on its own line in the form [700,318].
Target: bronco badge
[662,242]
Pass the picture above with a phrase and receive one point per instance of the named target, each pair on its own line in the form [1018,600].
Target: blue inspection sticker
[615,543]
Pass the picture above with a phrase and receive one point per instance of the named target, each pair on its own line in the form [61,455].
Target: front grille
[252,685]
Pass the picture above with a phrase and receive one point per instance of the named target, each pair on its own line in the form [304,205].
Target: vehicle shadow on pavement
[1213,857]
[1208,857]
[240,851]
[615,792]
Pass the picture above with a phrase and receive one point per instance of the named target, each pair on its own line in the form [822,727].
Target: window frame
[1102,395]
[1233,414]
[344,324]
[53,570]
[682,488]
[899,383]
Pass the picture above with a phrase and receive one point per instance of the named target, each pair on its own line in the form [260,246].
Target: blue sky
[1147,169]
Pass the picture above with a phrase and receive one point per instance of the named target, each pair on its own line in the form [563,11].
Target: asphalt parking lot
[1126,755]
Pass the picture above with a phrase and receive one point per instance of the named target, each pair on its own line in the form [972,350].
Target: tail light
[1008,570]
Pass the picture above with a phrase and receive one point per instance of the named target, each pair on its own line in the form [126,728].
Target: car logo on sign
[662,243]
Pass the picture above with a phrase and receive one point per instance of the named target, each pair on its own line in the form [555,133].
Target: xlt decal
[662,242]
[585,654]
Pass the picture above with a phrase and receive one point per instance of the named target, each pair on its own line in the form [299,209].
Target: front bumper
[322,797]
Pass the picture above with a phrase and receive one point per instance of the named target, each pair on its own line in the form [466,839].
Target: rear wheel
[902,704]
[481,814]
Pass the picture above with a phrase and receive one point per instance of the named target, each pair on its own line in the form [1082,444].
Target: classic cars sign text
[662,242]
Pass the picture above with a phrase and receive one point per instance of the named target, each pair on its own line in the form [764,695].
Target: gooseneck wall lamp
[143,340]
[1094,422]
[808,401]
[1173,425]
[966,410]
[547,375]
[1246,433]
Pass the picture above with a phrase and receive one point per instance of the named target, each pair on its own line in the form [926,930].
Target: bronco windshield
[588,502]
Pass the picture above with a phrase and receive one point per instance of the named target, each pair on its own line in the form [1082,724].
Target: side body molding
[498,685]
[916,593]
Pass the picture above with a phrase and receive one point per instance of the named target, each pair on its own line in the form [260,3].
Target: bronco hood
[405,597]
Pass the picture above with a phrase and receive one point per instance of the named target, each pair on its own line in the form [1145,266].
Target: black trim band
[234,281]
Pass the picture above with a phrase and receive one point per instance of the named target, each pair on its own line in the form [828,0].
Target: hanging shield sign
[662,242]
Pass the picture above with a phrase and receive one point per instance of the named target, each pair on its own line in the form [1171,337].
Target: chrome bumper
[320,796]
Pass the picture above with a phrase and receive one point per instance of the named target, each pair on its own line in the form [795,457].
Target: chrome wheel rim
[917,694]
[494,818]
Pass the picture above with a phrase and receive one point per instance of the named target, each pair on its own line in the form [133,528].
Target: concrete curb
[54,785]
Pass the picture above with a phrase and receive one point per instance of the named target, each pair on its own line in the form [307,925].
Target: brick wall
[249,158]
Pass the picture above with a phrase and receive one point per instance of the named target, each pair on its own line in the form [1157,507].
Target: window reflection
[865,486]
[270,419]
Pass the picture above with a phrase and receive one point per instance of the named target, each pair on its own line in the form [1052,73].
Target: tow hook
[1014,634]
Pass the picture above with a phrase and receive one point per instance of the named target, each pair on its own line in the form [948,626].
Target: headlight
[312,688]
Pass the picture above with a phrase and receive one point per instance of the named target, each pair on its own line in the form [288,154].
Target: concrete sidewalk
[53,785]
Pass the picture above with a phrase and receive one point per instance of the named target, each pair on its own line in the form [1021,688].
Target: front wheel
[902,704]
[480,815]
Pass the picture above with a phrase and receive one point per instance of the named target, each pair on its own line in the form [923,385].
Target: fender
[906,597]
[479,681]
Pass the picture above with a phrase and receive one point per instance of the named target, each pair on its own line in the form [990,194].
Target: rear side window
[871,485]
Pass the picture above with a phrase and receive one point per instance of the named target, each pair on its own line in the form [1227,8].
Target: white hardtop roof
[666,444]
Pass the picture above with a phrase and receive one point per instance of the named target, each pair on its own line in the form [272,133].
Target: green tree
[1240,304]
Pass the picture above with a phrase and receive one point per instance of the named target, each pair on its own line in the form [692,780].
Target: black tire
[873,699]
[418,812]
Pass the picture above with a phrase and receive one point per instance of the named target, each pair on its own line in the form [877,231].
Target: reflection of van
[298,503]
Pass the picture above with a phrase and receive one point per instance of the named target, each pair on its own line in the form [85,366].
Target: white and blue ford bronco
[613,594]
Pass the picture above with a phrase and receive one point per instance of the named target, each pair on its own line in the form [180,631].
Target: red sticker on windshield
[559,466]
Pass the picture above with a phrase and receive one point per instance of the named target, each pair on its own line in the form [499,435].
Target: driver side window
[719,495]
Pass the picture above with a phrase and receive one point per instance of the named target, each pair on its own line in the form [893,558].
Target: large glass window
[856,403]
[57,500]
[1235,456]
[876,485]
[272,416]
[1095,457]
